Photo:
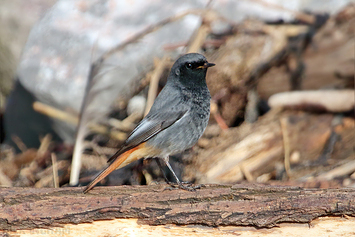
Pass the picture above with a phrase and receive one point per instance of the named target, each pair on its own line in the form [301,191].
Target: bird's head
[190,69]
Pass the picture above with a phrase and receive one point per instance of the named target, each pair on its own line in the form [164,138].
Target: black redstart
[175,122]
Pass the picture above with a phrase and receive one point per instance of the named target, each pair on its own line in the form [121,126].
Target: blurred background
[282,89]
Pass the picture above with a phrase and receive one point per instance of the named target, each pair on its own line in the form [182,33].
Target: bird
[175,122]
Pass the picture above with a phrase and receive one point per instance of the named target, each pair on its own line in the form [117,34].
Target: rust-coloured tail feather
[113,165]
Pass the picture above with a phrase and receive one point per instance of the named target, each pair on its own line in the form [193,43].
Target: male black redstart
[175,122]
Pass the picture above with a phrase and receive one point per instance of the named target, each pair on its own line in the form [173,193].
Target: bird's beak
[206,65]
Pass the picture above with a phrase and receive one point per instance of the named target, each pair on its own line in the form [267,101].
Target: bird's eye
[189,65]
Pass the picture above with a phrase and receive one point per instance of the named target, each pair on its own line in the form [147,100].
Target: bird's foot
[188,186]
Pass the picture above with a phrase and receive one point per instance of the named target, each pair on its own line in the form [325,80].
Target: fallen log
[214,205]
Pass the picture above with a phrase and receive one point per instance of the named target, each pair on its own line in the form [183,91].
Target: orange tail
[113,165]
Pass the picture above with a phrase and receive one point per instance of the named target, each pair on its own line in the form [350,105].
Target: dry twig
[154,83]
[55,113]
[55,171]
[286,141]
[340,171]
[299,15]
[64,116]
[19,143]
[217,116]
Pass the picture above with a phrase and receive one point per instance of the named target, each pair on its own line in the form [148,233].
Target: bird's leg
[180,185]
[162,171]
[165,177]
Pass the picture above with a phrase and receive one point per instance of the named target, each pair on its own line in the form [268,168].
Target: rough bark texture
[213,205]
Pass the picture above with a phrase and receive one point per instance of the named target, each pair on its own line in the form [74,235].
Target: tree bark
[214,205]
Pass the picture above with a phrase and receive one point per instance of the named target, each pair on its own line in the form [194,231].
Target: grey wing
[151,125]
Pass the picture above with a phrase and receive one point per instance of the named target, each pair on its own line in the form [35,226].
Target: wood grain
[214,205]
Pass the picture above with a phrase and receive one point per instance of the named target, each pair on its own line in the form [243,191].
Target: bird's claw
[188,187]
